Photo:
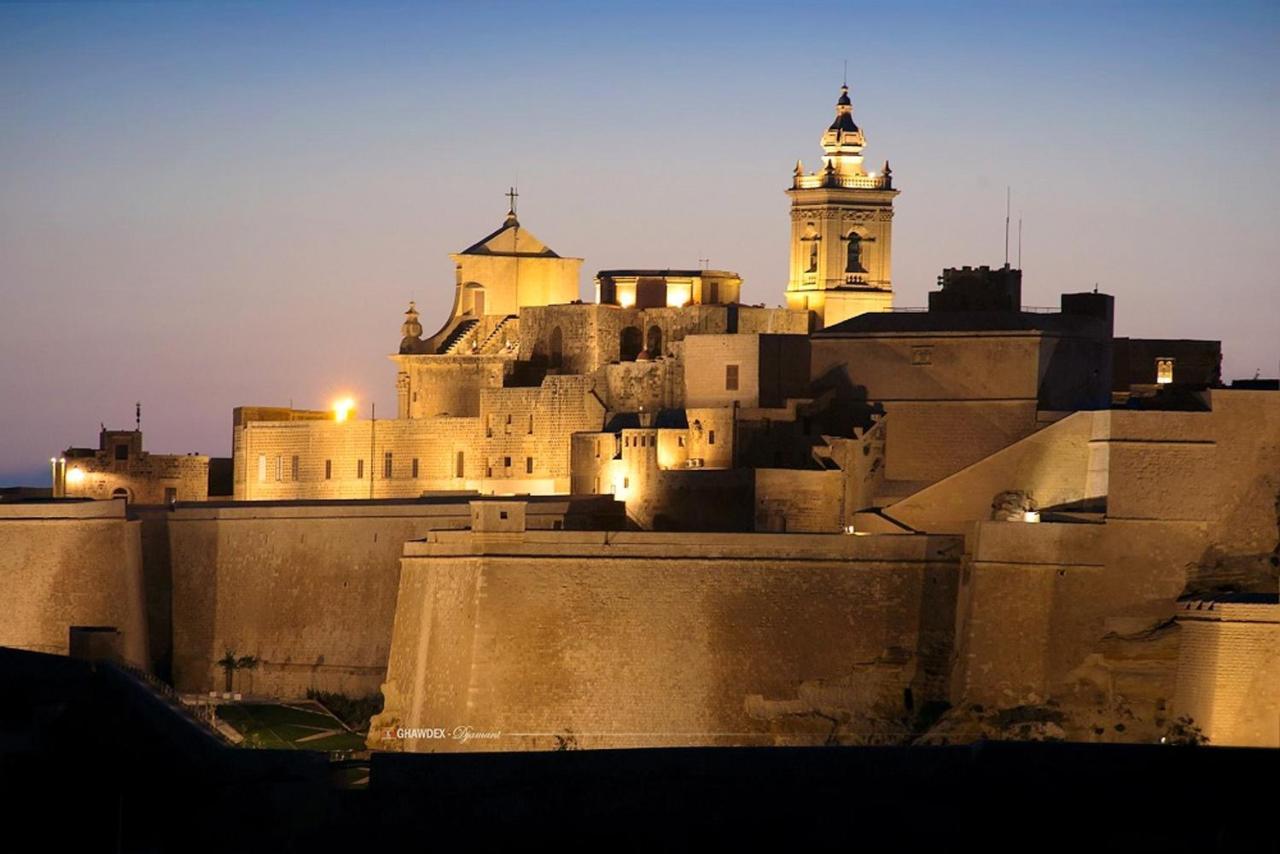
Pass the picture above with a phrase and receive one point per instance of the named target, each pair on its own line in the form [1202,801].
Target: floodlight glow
[343,408]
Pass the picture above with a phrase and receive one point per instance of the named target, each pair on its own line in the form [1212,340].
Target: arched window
[120,492]
[653,343]
[557,348]
[630,344]
[854,264]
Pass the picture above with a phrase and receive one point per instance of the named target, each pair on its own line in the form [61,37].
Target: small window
[328,469]
[530,423]
[262,468]
[414,468]
[170,494]
[386,466]
[680,441]
[459,468]
[359,469]
[711,437]
[122,452]
[528,465]
[730,377]
[1164,371]
[922,355]
[293,467]
[279,467]
[626,482]
[502,514]
[508,418]
[506,462]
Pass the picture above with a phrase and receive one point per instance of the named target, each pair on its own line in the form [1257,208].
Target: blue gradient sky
[206,205]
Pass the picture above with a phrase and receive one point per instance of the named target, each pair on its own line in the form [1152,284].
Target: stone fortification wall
[644,639]
[309,589]
[71,563]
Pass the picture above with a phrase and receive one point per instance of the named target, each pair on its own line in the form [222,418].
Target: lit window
[262,468]
[730,377]
[1164,371]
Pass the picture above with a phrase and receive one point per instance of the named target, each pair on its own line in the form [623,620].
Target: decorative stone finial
[411,328]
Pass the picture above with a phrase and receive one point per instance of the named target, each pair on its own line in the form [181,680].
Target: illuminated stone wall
[1229,670]
[65,564]
[648,639]
[310,590]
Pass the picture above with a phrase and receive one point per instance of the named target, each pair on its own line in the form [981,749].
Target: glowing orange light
[343,408]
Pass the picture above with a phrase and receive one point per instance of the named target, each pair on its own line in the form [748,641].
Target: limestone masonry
[668,518]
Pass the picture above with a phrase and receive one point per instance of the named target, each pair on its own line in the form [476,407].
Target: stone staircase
[456,338]
[493,341]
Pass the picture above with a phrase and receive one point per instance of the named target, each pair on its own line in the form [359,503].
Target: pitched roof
[511,239]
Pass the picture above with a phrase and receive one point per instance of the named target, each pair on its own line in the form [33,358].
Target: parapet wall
[70,563]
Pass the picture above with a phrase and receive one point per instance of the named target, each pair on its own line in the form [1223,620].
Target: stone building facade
[120,468]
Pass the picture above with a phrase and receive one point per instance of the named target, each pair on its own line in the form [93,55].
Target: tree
[230,664]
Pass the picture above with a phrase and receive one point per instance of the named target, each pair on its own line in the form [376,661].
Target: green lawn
[289,726]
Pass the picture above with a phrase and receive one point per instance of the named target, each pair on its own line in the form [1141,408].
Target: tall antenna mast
[1008,196]
[844,81]
[1019,243]
[137,416]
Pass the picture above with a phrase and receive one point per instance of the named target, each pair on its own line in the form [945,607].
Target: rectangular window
[528,465]
[1164,371]
[279,467]
[922,355]
[458,464]
[386,466]
[328,469]
[414,468]
[262,468]
[506,462]
[530,423]
[730,377]
[626,483]
[711,437]
[122,452]
[680,441]
[293,467]
[359,469]
[170,495]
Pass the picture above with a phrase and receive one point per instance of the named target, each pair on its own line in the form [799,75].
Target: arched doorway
[653,342]
[630,343]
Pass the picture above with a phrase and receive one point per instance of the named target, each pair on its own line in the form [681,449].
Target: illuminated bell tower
[841,228]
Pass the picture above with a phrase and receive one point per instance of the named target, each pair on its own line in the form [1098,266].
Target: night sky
[205,205]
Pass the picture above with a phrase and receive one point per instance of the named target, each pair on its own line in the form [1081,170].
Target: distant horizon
[210,205]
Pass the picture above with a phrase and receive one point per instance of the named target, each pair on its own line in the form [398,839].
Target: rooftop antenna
[845,76]
[1019,243]
[1008,196]
[137,416]
[705,263]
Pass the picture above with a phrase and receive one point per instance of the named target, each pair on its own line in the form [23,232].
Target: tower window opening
[1164,371]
